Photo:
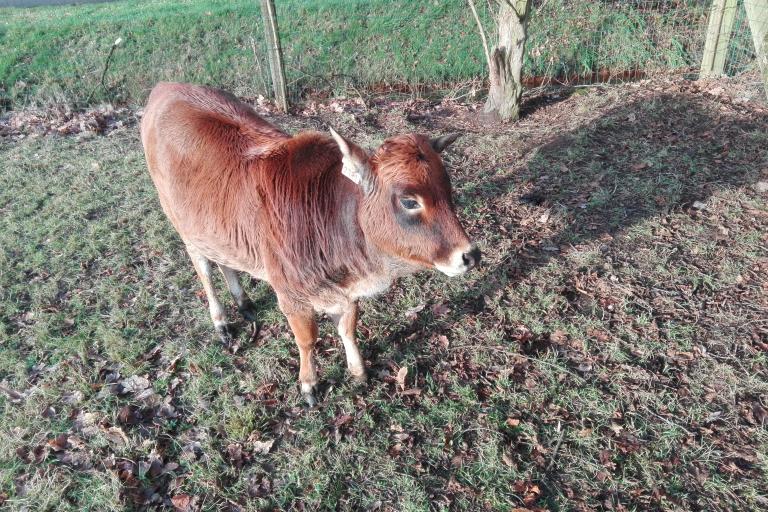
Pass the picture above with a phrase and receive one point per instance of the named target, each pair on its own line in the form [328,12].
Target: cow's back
[199,144]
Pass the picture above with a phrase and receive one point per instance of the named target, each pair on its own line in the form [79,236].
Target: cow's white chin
[451,271]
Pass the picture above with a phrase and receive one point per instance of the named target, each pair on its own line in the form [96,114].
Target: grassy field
[56,55]
[610,354]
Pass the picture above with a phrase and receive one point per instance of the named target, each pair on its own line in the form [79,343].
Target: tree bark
[503,103]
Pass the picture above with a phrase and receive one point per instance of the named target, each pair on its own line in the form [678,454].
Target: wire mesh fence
[361,46]
[573,41]
[604,41]
[569,42]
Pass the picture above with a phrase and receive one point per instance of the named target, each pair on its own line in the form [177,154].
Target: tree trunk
[503,103]
[275,53]
[757,14]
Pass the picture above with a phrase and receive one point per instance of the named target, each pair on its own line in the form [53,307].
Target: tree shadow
[662,153]
[653,155]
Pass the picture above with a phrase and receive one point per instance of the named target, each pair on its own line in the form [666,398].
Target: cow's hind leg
[219,317]
[346,324]
[304,327]
[244,303]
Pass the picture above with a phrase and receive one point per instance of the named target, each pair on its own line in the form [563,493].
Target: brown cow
[318,218]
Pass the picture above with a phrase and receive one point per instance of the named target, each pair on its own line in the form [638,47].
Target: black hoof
[310,399]
[225,333]
[309,396]
[248,310]
[360,379]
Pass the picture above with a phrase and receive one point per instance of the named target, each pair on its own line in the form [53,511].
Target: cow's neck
[376,270]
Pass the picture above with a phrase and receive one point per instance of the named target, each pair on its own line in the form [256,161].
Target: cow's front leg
[304,328]
[346,324]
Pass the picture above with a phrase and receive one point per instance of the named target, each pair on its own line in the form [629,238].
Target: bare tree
[505,63]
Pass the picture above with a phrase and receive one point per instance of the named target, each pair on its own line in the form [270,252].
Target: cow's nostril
[471,258]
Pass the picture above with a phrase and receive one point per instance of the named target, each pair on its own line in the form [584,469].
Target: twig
[557,447]
[106,68]
[482,32]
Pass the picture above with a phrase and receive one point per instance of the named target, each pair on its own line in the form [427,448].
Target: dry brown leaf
[181,502]
[440,309]
[402,373]
[134,383]
[116,436]
[262,447]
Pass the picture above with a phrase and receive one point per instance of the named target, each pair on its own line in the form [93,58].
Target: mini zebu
[318,218]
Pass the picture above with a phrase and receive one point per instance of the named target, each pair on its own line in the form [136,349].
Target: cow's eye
[409,203]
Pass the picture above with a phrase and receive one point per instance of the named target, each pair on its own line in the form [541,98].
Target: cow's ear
[440,143]
[356,164]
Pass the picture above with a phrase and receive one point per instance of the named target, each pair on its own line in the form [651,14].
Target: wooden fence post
[721,18]
[757,14]
[275,53]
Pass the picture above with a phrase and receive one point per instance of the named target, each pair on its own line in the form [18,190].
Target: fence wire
[574,41]
[569,42]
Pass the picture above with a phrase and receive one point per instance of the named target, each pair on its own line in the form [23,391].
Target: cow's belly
[370,286]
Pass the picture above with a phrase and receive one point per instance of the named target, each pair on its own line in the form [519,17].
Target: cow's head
[407,209]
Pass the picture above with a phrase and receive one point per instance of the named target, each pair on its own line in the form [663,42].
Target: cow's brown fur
[249,197]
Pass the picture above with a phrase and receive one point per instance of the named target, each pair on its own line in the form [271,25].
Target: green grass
[56,55]
[609,356]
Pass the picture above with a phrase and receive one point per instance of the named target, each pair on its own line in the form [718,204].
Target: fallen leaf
[412,313]
[134,384]
[342,420]
[262,447]
[116,436]
[181,502]
[15,396]
[440,309]
[402,373]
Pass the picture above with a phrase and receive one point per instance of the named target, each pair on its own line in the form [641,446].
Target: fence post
[757,14]
[721,18]
[275,53]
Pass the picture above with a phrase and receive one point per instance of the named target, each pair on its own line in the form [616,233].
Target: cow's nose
[471,258]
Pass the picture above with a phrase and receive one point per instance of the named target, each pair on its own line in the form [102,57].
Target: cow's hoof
[225,334]
[248,310]
[308,393]
[359,379]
